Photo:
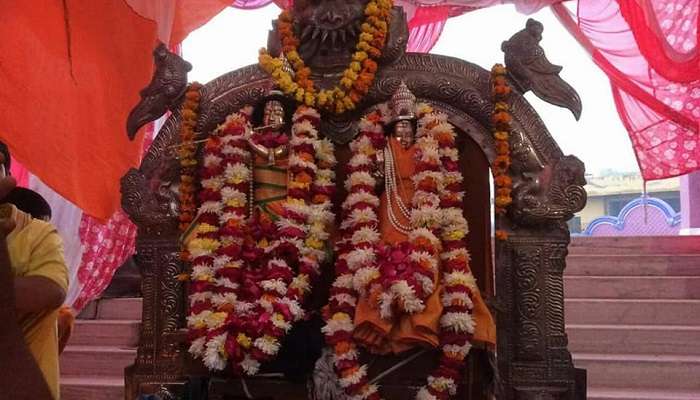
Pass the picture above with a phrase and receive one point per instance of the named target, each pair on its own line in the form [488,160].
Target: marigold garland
[357,78]
[359,242]
[187,151]
[250,278]
[501,120]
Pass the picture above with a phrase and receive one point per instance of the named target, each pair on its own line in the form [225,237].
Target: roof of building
[612,183]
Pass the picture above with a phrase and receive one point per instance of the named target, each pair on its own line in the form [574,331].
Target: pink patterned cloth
[105,248]
[660,115]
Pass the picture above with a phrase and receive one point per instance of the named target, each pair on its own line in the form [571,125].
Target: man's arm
[22,379]
[35,294]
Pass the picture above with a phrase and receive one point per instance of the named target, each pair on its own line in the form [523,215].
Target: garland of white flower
[436,141]
[227,324]
[407,292]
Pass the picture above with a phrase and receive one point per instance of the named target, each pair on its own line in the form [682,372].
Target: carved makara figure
[530,69]
[163,93]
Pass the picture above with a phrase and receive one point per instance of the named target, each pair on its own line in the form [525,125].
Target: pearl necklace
[393,195]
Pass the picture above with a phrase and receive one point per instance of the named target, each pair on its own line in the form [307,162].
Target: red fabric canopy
[654,84]
[71,71]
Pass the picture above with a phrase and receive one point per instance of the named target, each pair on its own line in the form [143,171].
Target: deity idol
[269,142]
[263,223]
[413,322]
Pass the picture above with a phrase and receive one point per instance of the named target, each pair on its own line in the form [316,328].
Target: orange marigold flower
[428,185]
[501,163]
[303,177]
[503,191]
[503,201]
[501,91]
[503,180]
[501,235]
[306,156]
[501,117]
[349,371]
[498,69]
[501,135]
[355,96]
[320,199]
[502,148]
[188,114]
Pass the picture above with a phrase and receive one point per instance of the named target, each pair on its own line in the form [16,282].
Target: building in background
[611,191]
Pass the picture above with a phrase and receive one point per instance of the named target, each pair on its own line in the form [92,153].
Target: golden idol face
[403,132]
[274,114]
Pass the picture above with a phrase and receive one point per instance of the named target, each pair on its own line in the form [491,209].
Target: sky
[232,40]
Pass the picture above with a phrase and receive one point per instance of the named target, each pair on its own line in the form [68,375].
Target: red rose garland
[244,293]
[360,242]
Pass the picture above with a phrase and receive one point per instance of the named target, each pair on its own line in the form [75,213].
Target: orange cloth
[71,71]
[66,322]
[421,329]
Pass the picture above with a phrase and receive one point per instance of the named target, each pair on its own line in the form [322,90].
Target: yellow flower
[309,99]
[366,37]
[322,98]
[215,320]
[206,228]
[346,82]
[235,203]
[454,235]
[314,243]
[364,46]
[295,202]
[299,95]
[355,66]
[348,103]
[372,9]
[350,74]
[359,56]
[205,244]
[340,317]
[501,135]
[244,340]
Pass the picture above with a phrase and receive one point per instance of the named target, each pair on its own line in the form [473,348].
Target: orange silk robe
[421,329]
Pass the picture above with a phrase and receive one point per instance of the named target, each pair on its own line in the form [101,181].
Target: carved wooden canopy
[533,359]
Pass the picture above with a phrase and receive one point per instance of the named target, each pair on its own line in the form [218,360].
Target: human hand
[7,183]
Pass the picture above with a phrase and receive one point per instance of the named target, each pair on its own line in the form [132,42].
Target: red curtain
[660,114]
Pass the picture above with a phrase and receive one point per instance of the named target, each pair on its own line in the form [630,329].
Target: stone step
[92,388]
[640,372]
[103,361]
[632,312]
[635,339]
[104,332]
[632,287]
[633,265]
[635,245]
[629,394]
[121,309]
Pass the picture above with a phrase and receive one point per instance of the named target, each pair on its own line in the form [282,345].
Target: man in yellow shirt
[40,283]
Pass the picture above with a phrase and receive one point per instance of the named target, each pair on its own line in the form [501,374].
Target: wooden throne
[525,292]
